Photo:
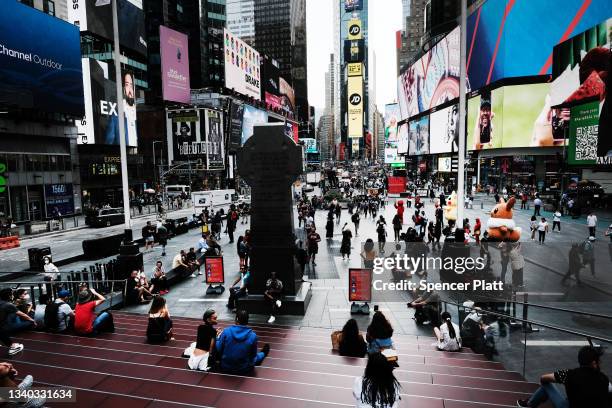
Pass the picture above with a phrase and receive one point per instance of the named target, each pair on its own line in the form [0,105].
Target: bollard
[482,205]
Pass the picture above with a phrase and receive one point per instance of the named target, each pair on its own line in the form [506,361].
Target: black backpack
[51,316]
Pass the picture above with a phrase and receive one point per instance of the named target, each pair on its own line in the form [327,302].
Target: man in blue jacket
[237,347]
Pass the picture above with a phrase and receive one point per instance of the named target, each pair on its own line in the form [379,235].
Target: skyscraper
[241,19]
[345,13]
[280,32]
[409,40]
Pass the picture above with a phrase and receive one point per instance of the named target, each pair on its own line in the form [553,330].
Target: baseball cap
[63,293]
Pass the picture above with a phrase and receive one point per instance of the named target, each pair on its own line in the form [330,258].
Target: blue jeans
[548,392]
[100,320]
[18,325]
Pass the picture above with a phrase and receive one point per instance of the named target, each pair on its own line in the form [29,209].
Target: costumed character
[501,226]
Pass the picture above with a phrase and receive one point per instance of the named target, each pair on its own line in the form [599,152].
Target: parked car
[106,217]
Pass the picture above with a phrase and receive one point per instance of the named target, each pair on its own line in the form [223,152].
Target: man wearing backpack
[355,219]
[59,316]
[588,253]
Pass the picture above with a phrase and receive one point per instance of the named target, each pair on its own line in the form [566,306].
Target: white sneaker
[272,319]
[278,303]
[199,273]
[15,349]
[193,275]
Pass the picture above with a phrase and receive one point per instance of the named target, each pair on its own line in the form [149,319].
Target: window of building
[28,2]
[49,7]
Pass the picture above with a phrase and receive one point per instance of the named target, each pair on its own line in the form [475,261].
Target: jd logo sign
[355,99]
[354,29]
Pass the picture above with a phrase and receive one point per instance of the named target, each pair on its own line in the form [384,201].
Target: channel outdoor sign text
[36,73]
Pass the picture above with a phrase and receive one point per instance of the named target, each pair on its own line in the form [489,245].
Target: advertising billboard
[355,107]
[292,130]
[350,5]
[59,199]
[433,79]
[212,123]
[355,69]
[444,130]
[508,38]
[174,65]
[581,67]
[354,50]
[584,141]
[514,116]
[36,73]
[418,136]
[354,29]
[235,125]
[270,88]
[360,285]
[310,145]
[98,20]
[184,136]
[213,265]
[391,133]
[444,164]
[402,140]
[241,66]
[251,117]
[100,124]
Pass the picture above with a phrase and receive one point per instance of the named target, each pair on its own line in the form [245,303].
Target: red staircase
[120,370]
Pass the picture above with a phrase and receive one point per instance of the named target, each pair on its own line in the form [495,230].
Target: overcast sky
[385,18]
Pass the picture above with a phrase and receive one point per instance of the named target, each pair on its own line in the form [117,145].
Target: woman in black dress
[329,228]
[345,246]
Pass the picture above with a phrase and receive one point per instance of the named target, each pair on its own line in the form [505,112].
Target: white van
[214,200]
[177,190]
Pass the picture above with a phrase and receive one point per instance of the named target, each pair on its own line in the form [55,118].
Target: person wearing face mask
[50,270]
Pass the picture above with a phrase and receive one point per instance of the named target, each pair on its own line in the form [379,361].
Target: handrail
[534,322]
[560,309]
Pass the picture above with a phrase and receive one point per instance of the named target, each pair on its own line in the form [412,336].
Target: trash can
[35,256]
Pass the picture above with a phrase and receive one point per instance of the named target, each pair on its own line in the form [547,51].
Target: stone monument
[270,162]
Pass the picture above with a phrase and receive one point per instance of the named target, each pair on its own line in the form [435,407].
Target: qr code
[586,143]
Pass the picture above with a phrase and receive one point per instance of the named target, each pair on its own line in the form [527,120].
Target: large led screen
[432,80]
[402,139]
[444,130]
[391,133]
[251,117]
[509,38]
[40,61]
[418,136]
[98,20]
[241,66]
[174,65]
[484,120]
[100,124]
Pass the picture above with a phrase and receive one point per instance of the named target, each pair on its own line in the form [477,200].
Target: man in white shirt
[592,223]
[537,204]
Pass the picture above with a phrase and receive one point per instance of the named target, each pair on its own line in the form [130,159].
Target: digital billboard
[354,29]
[251,117]
[355,69]
[355,107]
[583,143]
[508,38]
[98,20]
[241,66]
[484,120]
[36,73]
[235,125]
[99,124]
[354,50]
[351,5]
[310,145]
[184,136]
[514,116]
[391,133]
[212,127]
[581,67]
[402,140]
[418,136]
[444,130]
[174,65]
[444,164]
[360,285]
[213,265]
[292,130]
[432,80]
[59,199]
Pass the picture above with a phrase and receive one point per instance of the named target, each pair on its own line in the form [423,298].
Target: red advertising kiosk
[215,275]
[360,289]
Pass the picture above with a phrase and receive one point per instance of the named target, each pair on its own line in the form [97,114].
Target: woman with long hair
[378,388]
[379,333]
[159,329]
[368,254]
[345,246]
[352,343]
[447,334]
